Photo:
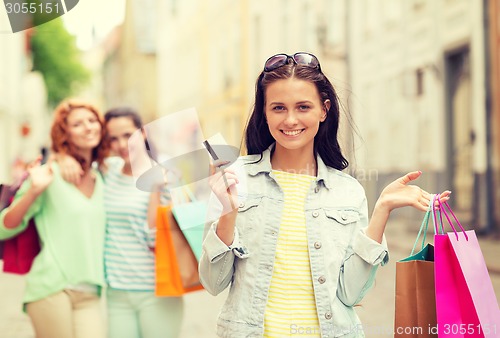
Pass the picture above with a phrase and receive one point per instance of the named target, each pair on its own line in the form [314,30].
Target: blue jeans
[135,314]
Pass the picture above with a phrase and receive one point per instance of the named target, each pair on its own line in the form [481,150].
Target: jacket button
[328,315]
[344,217]
[317,245]
[316,190]
[315,213]
[321,279]
[242,205]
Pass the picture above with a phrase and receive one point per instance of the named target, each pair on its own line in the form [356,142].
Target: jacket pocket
[340,226]
[248,214]
[249,203]
[342,216]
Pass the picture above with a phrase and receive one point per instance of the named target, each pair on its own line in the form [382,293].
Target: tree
[55,55]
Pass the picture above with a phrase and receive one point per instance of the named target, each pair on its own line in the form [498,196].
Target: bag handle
[443,210]
[425,223]
[436,210]
[185,191]
[423,228]
[440,210]
[189,193]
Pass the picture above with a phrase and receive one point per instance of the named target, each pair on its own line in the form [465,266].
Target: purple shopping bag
[466,305]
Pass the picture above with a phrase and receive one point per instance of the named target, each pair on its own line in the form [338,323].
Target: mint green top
[71,229]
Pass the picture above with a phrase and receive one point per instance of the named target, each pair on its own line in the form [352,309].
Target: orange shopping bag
[176,264]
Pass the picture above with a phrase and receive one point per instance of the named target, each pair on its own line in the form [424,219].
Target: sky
[103,15]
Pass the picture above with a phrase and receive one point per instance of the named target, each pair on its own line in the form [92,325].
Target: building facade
[410,74]
[211,52]
[24,120]
[418,70]
[493,16]
[129,62]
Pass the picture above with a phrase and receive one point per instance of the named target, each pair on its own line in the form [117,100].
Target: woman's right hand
[41,176]
[223,184]
[71,170]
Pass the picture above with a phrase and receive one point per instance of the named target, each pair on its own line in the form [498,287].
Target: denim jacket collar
[263,165]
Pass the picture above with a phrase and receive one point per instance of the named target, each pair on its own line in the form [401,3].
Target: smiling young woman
[64,284]
[133,308]
[299,249]
[129,262]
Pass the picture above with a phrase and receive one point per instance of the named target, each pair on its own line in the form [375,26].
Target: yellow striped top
[291,307]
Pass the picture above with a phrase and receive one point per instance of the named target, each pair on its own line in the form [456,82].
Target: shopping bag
[466,304]
[190,215]
[18,252]
[176,263]
[191,220]
[415,303]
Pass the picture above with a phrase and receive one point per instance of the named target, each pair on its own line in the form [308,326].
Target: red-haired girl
[63,287]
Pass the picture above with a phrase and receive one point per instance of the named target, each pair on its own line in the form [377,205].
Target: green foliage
[55,55]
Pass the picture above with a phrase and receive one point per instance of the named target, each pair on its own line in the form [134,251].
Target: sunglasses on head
[301,58]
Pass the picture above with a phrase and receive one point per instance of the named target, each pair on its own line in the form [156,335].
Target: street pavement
[201,309]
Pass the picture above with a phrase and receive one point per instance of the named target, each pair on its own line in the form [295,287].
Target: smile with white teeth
[292,132]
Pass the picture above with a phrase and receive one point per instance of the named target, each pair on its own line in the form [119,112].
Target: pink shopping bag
[466,305]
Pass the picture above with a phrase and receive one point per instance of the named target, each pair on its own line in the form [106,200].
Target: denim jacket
[343,259]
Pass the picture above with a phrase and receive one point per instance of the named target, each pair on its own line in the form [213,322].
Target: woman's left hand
[400,194]
[69,167]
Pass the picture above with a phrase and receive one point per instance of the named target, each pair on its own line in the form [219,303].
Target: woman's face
[84,129]
[294,110]
[119,131]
